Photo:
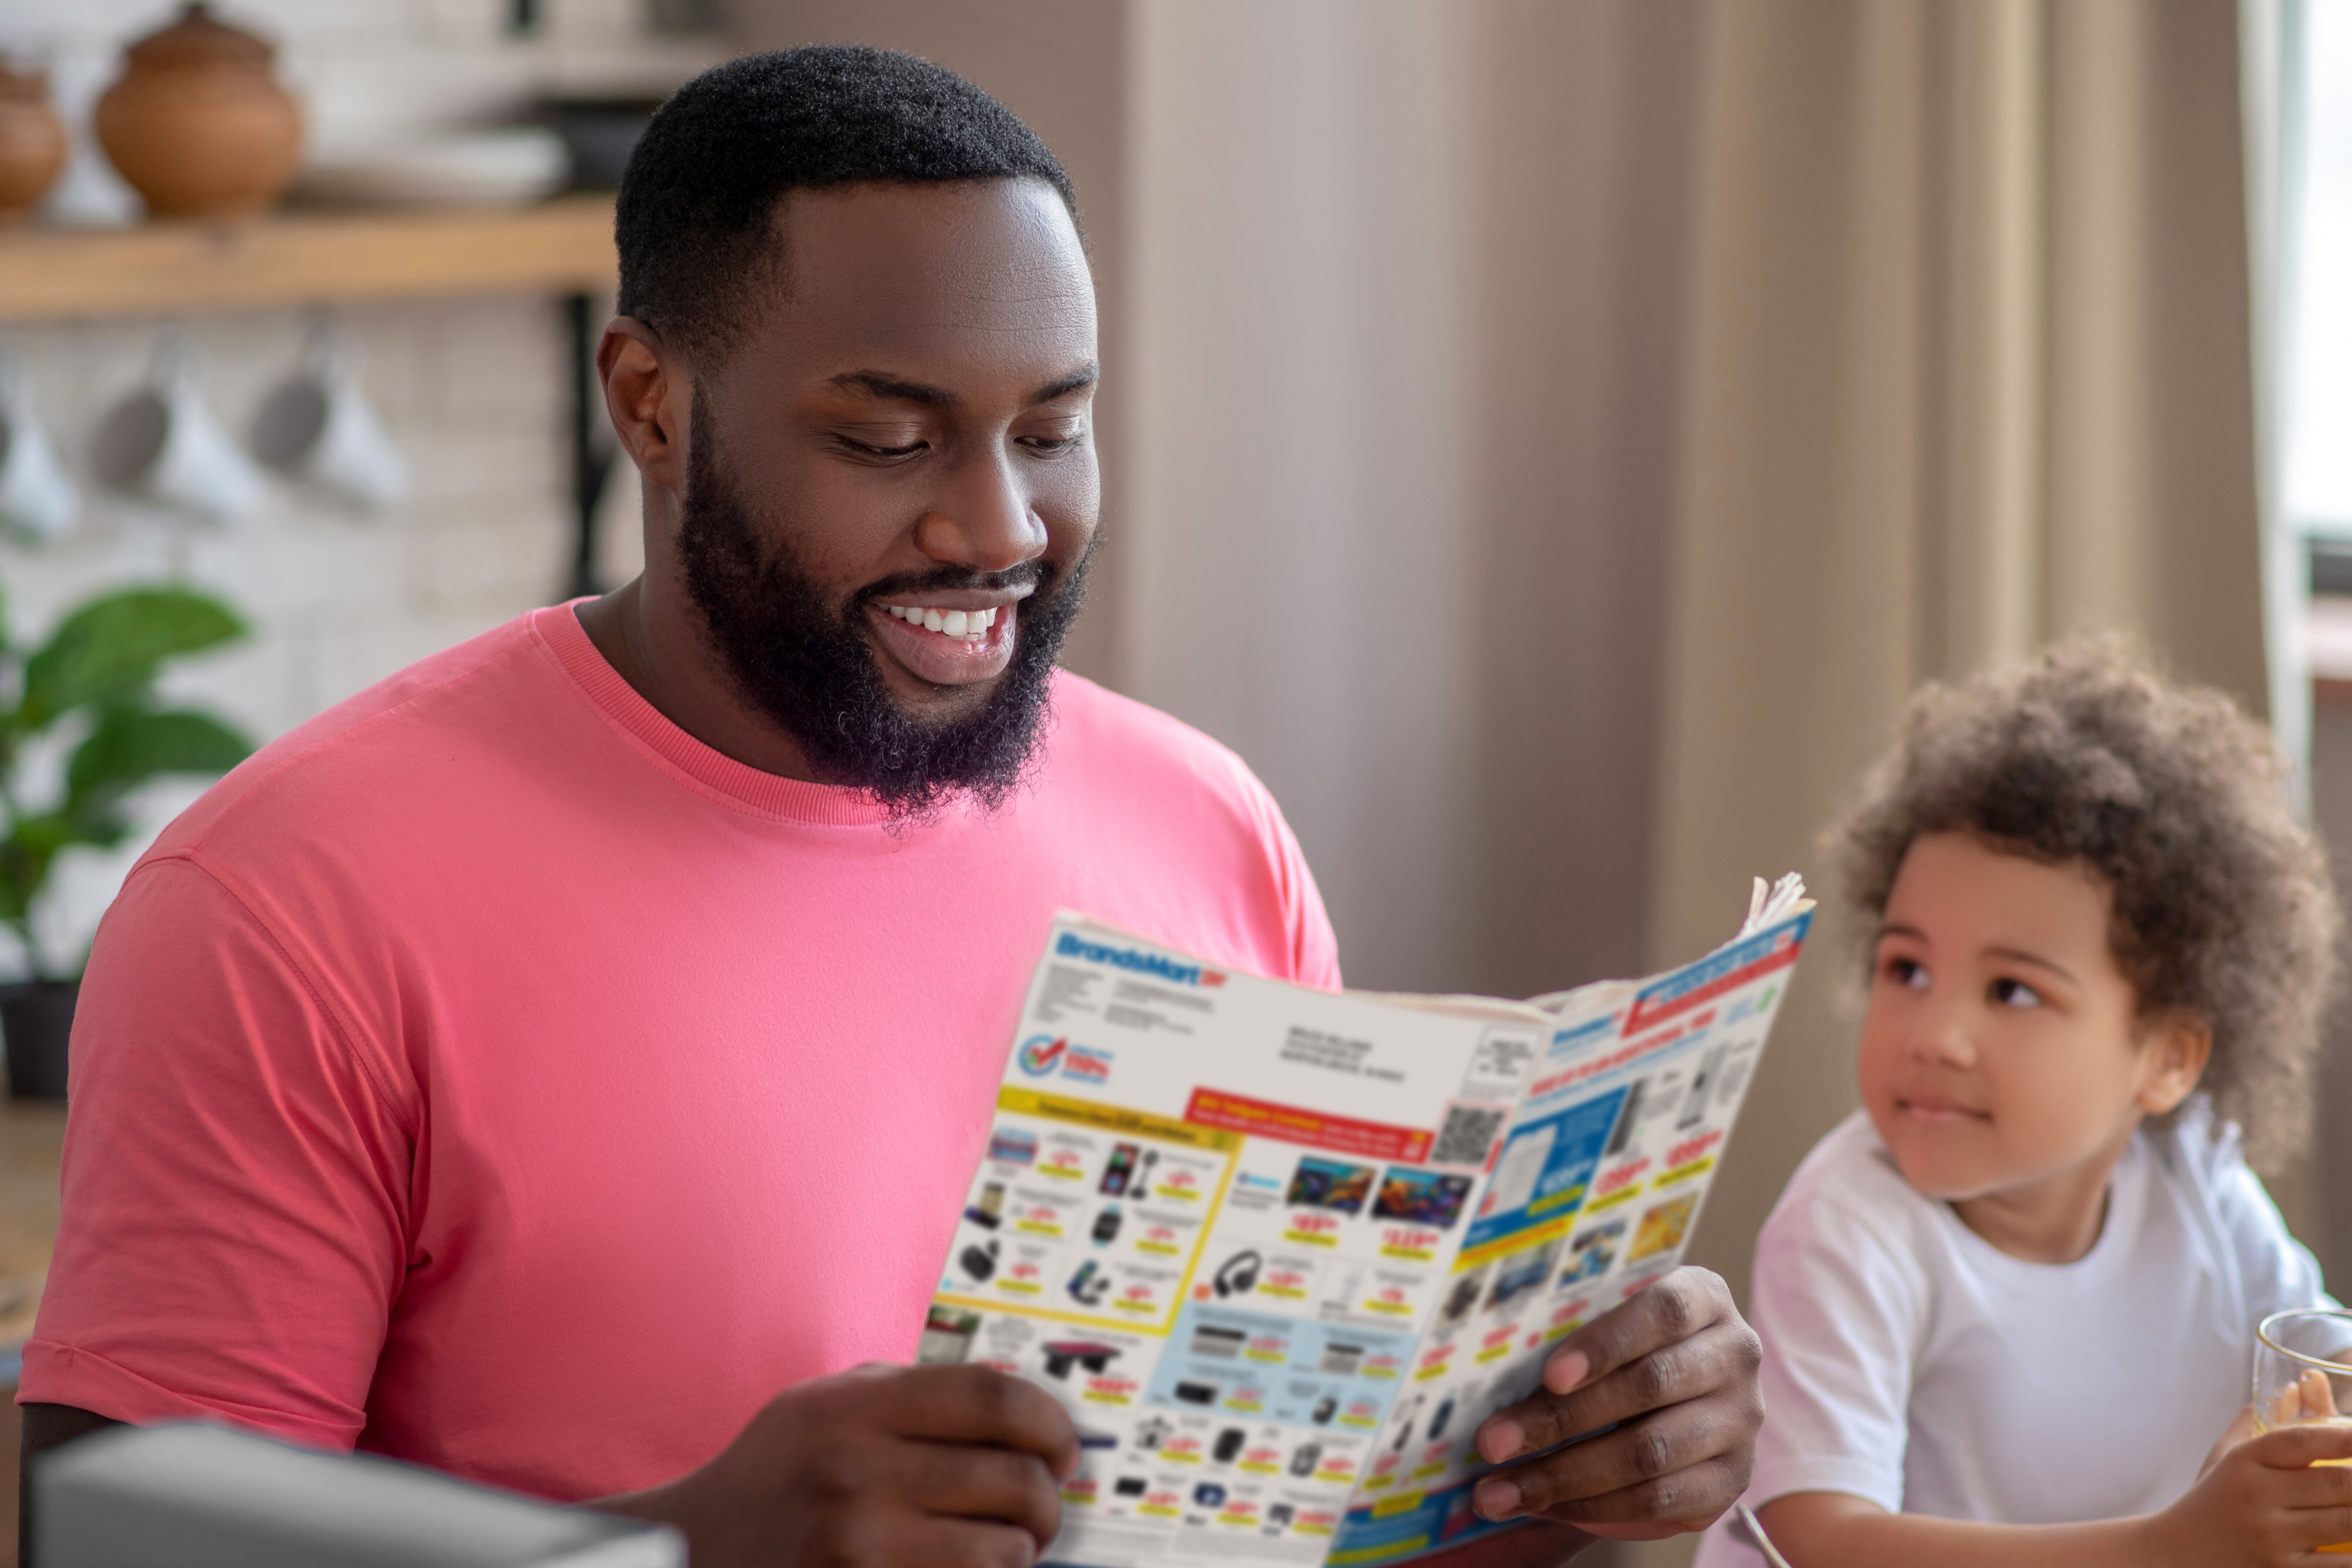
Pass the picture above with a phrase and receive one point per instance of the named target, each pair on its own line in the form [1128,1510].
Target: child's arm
[1833,1529]
[2265,1503]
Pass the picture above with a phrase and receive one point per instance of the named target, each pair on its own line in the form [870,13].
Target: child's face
[2002,1045]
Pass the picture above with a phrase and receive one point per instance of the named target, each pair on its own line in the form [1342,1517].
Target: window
[2316,359]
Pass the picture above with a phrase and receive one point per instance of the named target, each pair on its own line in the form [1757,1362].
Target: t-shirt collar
[771,794]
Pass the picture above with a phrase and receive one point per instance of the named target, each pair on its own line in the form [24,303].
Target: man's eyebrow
[880,383]
[1077,380]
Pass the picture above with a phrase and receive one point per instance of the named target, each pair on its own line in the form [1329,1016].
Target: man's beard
[811,669]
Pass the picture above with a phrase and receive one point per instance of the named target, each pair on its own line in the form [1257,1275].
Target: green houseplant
[95,679]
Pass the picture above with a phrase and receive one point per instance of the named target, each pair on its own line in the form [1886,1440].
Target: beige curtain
[1967,369]
[1401,369]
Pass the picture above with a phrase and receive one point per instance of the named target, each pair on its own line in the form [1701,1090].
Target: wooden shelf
[563,247]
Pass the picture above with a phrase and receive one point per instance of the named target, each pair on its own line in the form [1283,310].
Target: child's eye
[2015,993]
[1908,973]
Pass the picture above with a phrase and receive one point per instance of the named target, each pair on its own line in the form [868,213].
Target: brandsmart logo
[1157,964]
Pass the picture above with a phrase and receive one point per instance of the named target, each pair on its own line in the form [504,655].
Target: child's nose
[1944,1040]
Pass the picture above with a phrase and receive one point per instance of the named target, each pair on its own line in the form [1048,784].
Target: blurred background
[1548,439]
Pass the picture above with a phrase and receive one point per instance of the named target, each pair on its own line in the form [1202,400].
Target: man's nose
[984,521]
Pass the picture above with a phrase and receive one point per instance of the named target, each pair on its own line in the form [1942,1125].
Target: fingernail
[1497,1500]
[1566,1371]
[1500,1439]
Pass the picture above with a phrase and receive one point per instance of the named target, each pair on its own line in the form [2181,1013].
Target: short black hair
[693,224]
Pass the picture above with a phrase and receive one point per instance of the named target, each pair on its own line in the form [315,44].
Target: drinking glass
[2303,1374]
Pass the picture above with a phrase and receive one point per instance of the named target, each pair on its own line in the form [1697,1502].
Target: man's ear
[2176,1047]
[649,398]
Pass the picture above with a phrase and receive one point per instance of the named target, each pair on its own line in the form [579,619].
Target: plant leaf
[25,856]
[109,649]
[131,745]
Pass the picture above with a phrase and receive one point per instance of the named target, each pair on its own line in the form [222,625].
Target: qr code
[1467,1133]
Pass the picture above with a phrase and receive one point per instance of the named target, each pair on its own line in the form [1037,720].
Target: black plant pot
[35,1018]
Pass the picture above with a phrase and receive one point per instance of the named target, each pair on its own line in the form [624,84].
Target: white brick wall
[473,390]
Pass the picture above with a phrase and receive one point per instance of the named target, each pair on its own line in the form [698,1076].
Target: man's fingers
[1687,1500]
[1685,1438]
[1000,1484]
[978,1405]
[1647,1449]
[959,1543]
[1721,1358]
[1678,1306]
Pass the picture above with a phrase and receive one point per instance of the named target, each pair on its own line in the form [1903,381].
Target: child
[2009,1306]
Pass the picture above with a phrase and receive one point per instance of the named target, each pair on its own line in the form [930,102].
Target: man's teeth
[972,623]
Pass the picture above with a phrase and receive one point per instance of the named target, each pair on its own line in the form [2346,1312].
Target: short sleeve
[2277,1272]
[1843,1315]
[235,1182]
[1315,951]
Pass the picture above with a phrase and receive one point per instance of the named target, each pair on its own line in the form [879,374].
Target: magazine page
[1214,1216]
[1597,1189]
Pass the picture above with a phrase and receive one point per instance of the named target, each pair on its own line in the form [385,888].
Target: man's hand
[2263,1502]
[1675,1367]
[926,1466]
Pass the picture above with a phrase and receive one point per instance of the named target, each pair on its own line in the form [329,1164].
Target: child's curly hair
[2223,905]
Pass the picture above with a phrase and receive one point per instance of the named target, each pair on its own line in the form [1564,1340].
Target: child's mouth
[1940,1109]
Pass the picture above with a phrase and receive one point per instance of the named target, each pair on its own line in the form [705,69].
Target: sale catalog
[1280,1251]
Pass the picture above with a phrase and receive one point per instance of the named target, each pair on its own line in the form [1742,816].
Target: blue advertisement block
[1545,1169]
[1385,1532]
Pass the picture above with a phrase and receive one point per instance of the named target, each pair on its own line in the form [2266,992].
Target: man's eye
[1049,445]
[869,449]
[2015,993]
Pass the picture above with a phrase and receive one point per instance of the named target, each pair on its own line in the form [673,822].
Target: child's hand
[2263,1502]
[2241,1430]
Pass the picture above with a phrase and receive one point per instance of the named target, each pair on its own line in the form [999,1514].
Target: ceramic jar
[197,124]
[32,142]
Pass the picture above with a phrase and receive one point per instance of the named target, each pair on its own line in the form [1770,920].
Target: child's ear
[2174,1053]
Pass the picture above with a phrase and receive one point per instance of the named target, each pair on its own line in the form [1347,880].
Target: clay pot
[32,142]
[197,124]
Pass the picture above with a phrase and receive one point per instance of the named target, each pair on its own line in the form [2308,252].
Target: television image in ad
[1331,1185]
[1422,1197]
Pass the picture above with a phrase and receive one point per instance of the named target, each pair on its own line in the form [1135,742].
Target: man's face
[892,485]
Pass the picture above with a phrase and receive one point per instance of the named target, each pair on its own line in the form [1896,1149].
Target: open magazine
[1280,1251]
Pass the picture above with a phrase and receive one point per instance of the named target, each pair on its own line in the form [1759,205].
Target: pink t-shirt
[491,1075]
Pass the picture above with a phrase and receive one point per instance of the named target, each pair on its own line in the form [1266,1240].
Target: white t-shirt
[1909,1361]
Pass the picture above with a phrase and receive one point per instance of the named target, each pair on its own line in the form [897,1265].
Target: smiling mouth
[971,625]
[943,637]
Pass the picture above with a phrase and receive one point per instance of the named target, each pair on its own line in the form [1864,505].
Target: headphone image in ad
[1237,1275]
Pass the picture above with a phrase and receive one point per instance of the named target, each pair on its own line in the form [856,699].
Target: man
[562,1064]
